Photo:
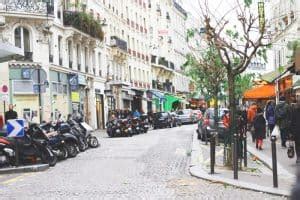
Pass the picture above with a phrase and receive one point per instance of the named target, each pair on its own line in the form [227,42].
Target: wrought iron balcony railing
[119,43]
[27,6]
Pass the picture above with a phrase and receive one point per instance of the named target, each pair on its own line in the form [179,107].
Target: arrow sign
[15,128]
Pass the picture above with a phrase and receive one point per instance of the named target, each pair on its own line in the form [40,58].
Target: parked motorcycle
[125,127]
[113,128]
[56,141]
[87,130]
[34,145]
[135,124]
[71,141]
[144,121]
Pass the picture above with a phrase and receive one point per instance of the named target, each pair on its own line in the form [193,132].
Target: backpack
[281,112]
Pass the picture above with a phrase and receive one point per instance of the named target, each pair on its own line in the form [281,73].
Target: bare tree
[236,43]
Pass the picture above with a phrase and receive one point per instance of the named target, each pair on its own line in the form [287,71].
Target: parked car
[186,116]
[208,122]
[175,119]
[162,120]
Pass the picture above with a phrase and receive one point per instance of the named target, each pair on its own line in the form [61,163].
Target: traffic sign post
[15,129]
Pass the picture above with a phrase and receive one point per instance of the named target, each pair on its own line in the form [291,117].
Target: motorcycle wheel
[47,158]
[93,142]
[110,133]
[72,149]
[82,146]
[64,153]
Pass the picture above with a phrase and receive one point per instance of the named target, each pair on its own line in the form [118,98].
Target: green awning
[170,99]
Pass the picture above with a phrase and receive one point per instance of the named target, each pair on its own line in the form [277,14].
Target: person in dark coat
[270,116]
[10,114]
[295,128]
[259,124]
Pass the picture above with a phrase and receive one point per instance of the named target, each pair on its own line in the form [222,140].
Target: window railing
[119,43]
[84,22]
[27,6]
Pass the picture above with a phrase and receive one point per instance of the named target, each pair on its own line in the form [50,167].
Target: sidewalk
[286,164]
[257,176]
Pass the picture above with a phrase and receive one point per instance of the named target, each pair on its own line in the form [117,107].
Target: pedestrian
[259,124]
[226,119]
[283,119]
[251,113]
[270,116]
[10,114]
[295,128]
[136,114]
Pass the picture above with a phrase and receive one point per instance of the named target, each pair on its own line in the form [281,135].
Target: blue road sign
[15,128]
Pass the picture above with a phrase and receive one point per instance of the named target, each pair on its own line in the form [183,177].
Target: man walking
[270,116]
[295,128]
[10,114]
[283,119]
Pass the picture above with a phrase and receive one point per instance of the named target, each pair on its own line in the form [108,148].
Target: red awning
[261,92]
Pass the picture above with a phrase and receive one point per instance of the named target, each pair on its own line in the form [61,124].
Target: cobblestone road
[148,166]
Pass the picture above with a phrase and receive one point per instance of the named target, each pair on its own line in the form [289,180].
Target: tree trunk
[215,96]
[232,109]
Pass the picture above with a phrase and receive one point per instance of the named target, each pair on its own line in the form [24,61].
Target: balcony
[119,43]
[162,61]
[38,7]
[84,22]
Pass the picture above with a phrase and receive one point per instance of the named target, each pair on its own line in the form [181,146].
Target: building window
[22,38]
[70,54]
[59,49]
[78,55]
[99,64]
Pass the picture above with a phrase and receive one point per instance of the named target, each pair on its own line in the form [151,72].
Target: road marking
[15,179]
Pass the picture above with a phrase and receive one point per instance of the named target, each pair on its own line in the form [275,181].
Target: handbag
[291,149]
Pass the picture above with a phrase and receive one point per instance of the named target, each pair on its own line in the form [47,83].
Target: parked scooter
[135,124]
[71,141]
[87,130]
[113,128]
[125,127]
[34,145]
[56,141]
[144,122]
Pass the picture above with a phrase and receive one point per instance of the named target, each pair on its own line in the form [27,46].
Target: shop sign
[261,16]
[73,81]
[75,97]
[82,80]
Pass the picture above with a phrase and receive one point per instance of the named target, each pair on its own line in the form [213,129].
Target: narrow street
[148,166]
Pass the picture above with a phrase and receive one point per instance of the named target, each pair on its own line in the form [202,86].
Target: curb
[268,162]
[198,172]
[24,169]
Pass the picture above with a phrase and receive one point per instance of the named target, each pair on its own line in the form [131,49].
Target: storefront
[137,102]
[60,94]
[79,95]
[23,93]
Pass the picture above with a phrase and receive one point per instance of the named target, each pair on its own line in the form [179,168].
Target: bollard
[235,157]
[212,152]
[245,150]
[274,162]
[206,139]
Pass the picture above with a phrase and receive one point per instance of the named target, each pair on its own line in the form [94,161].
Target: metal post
[245,150]
[17,152]
[40,95]
[212,152]
[235,156]
[274,162]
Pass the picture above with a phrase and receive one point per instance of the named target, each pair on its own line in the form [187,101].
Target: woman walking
[270,116]
[259,124]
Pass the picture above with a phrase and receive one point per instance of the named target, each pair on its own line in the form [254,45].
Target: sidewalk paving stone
[257,176]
